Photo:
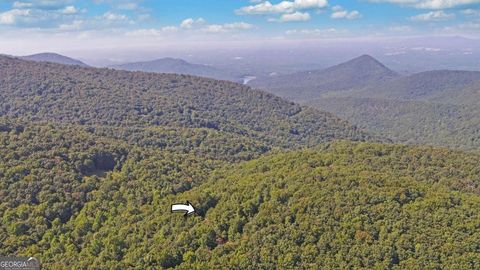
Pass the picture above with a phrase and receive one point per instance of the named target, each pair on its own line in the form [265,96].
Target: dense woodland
[92,159]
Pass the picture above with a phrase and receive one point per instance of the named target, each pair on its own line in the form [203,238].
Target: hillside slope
[424,86]
[48,171]
[73,94]
[470,95]
[413,122]
[344,206]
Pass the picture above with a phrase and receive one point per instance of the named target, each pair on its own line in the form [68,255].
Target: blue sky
[114,21]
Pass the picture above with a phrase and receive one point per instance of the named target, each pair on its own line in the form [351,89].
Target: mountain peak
[356,73]
[366,57]
[53,58]
[366,61]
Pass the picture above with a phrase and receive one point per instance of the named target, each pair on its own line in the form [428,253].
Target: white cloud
[238,26]
[19,4]
[110,16]
[190,23]
[439,15]
[222,28]
[307,4]
[337,8]
[429,4]
[33,18]
[283,7]
[317,32]
[42,4]
[292,17]
[75,25]
[267,8]
[200,24]
[70,10]
[106,20]
[471,12]
[121,4]
[11,17]
[340,13]
[191,26]
[54,14]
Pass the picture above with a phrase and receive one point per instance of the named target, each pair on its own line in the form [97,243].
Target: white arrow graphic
[180,207]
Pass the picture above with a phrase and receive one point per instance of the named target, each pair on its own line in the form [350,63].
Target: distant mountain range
[435,107]
[179,66]
[356,73]
[53,58]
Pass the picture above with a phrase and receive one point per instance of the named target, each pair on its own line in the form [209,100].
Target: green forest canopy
[86,188]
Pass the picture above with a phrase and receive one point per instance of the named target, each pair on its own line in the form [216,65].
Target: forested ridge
[92,159]
[74,94]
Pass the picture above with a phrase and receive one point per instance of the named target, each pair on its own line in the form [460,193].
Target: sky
[36,25]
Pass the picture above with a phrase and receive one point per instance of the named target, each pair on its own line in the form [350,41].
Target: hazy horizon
[402,54]
[291,35]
